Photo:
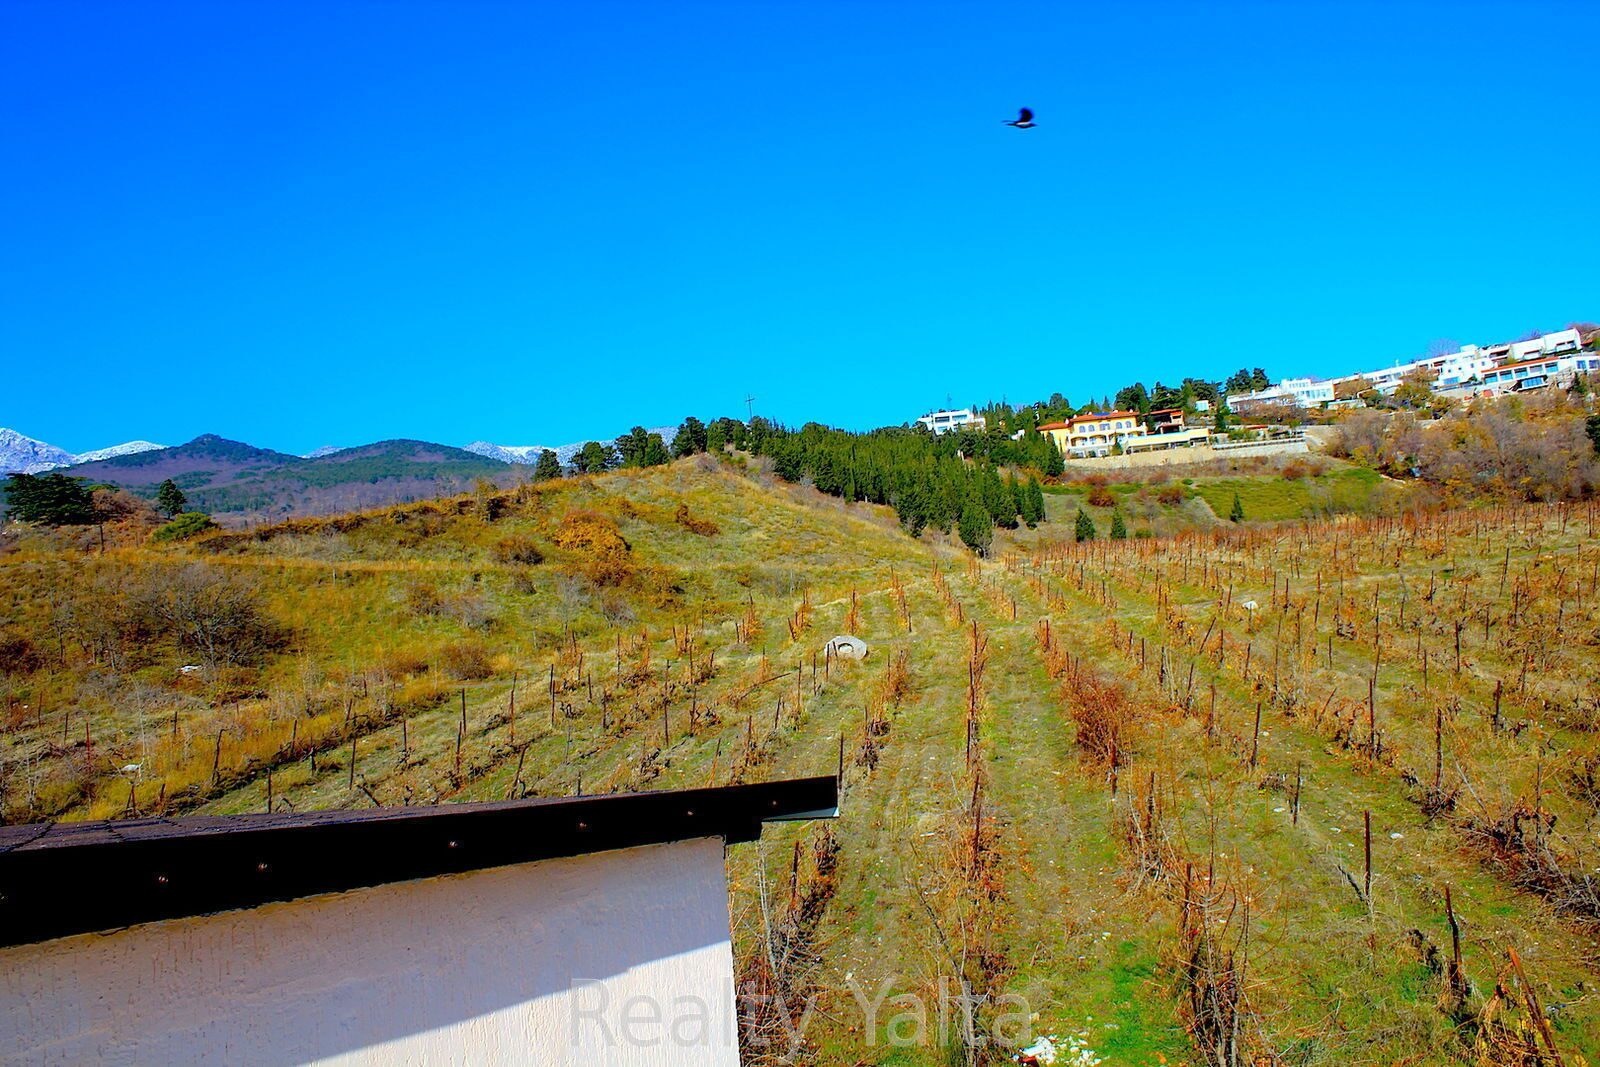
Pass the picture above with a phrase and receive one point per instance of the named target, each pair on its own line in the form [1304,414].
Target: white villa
[1472,366]
[1300,392]
[949,421]
[1472,371]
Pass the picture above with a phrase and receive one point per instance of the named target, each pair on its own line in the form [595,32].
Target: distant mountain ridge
[20,454]
[239,483]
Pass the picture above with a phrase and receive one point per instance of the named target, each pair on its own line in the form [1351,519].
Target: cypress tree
[977,528]
[1119,529]
[912,508]
[1236,513]
[1084,531]
[1053,463]
[1005,500]
[1033,512]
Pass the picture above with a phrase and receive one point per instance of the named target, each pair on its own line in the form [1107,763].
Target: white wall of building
[470,968]
[1562,341]
[951,421]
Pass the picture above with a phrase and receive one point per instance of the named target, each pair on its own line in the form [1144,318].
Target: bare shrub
[1104,718]
[1101,496]
[17,654]
[399,663]
[517,549]
[214,615]
[422,598]
[703,527]
[465,660]
[470,609]
[598,548]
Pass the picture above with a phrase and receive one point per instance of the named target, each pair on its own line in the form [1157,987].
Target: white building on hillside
[1537,373]
[950,421]
[1299,392]
[1473,366]
[1549,344]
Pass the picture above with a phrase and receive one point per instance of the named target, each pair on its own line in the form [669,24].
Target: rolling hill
[1297,790]
[237,482]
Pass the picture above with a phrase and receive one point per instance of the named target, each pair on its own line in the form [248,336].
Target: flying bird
[1024,119]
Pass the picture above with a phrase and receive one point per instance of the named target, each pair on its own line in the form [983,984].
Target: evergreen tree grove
[51,499]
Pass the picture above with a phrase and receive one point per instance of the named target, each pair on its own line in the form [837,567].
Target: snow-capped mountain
[126,449]
[508,453]
[528,454]
[24,455]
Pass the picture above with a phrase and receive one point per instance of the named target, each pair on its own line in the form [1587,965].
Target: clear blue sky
[299,224]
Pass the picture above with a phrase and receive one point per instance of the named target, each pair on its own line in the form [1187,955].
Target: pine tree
[1222,415]
[1119,529]
[170,499]
[1084,531]
[1236,513]
[692,437]
[52,499]
[548,466]
[653,453]
[594,458]
[631,445]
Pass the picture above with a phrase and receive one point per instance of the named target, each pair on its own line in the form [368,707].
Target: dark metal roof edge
[74,878]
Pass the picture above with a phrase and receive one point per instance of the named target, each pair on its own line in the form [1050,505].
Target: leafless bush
[1104,718]
[465,660]
[214,615]
[1519,843]
[517,548]
[17,654]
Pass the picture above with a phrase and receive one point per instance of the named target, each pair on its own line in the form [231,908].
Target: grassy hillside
[1055,785]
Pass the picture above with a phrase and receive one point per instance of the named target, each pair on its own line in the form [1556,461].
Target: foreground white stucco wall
[471,968]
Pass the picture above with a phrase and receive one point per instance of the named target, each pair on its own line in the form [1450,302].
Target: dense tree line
[928,480]
[50,499]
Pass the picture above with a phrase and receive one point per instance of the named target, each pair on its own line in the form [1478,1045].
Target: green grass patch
[1274,498]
